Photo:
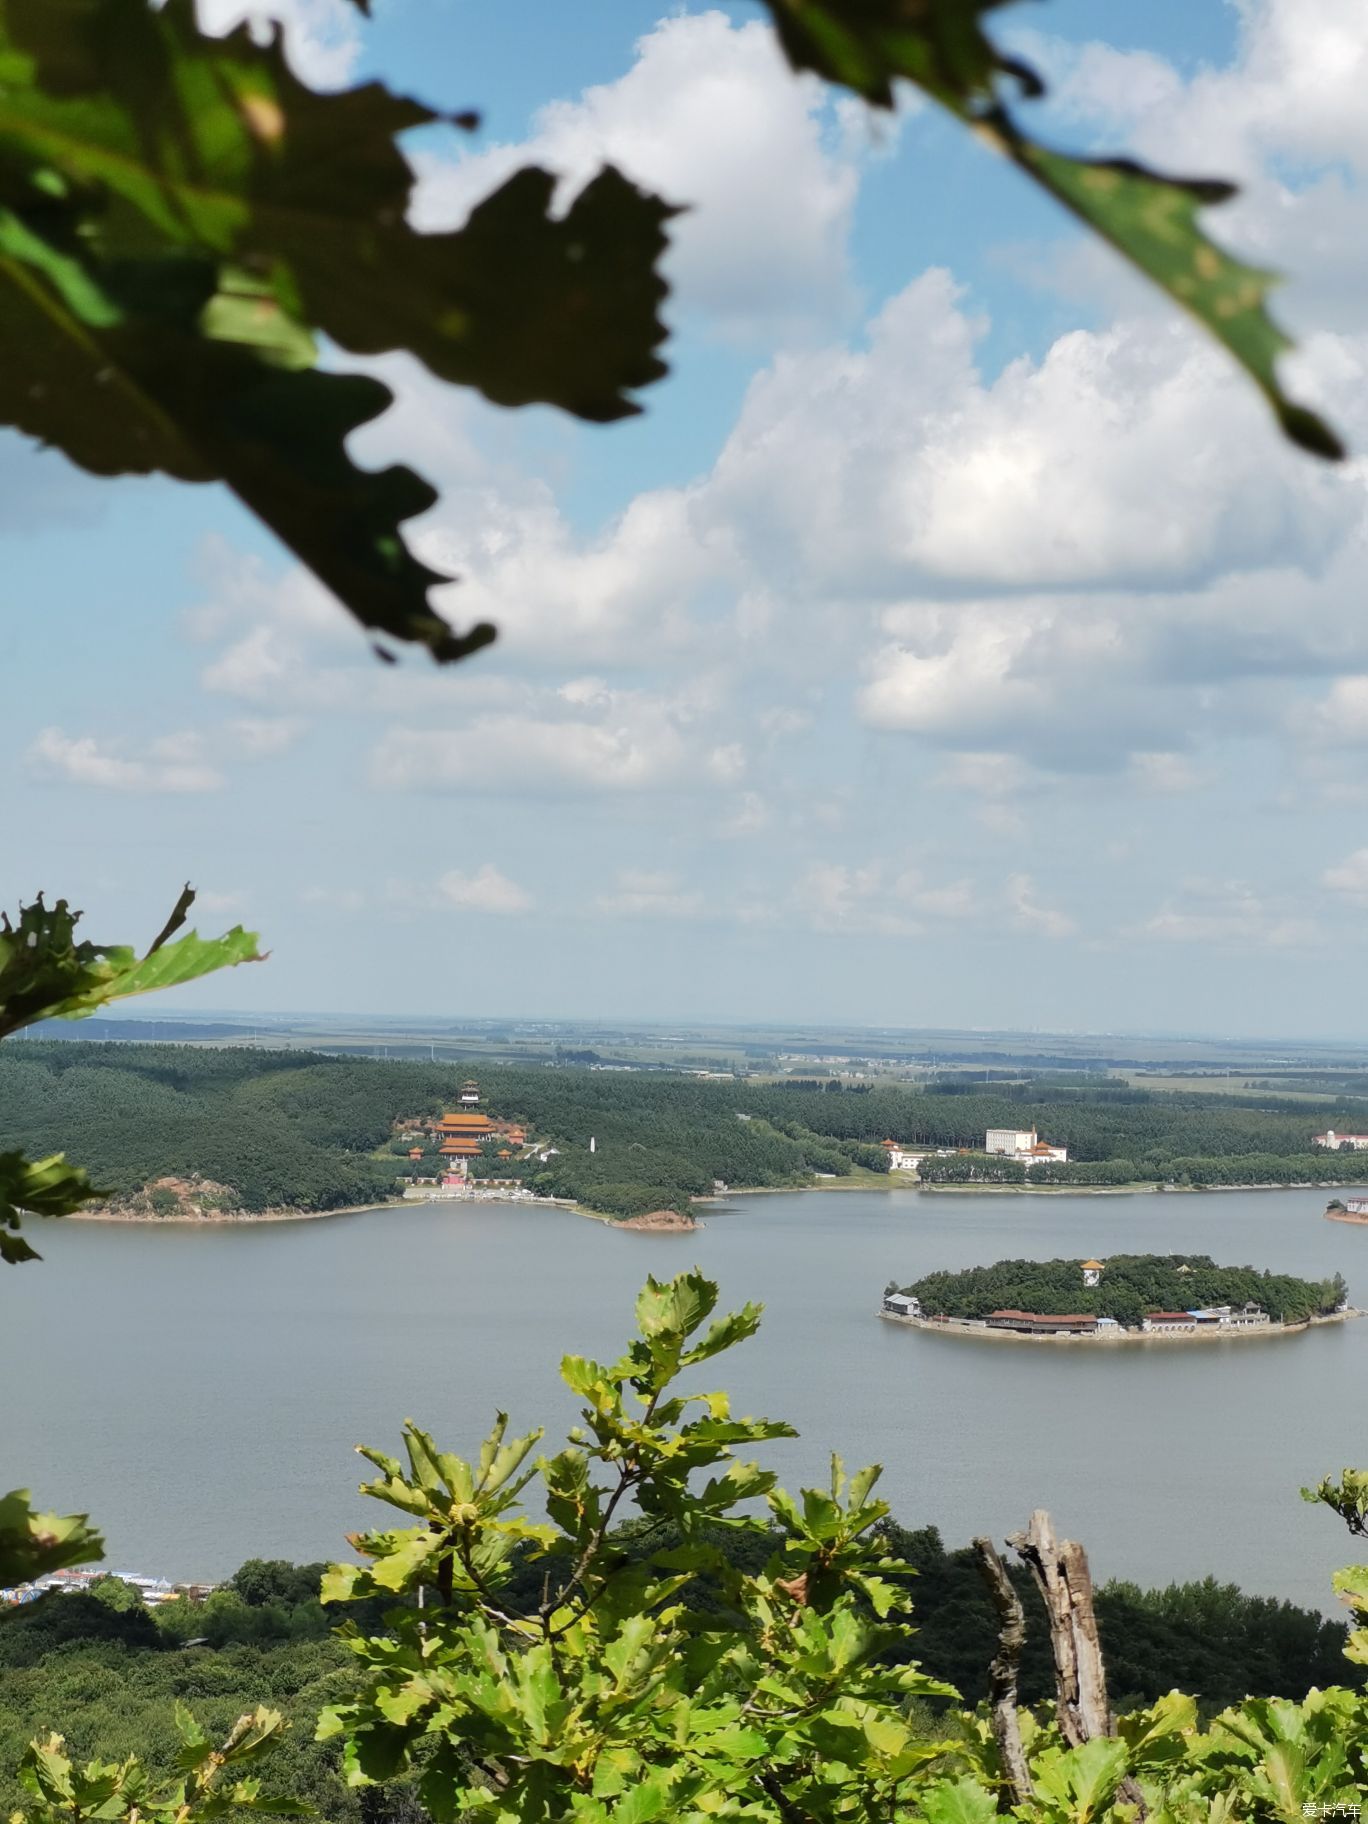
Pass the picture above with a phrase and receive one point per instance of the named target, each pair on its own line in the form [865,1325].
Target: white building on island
[901,1304]
[1341,1143]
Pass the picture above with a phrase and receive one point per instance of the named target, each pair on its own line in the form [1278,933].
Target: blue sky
[951,642]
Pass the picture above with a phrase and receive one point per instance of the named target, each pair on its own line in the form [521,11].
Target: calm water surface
[201,1389]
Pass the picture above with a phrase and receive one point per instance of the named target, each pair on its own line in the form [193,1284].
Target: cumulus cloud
[1029,914]
[486,890]
[1295,86]
[211,903]
[582,737]
[708,116]
[334,899]
[1130,456]
[643,893]
[1228,913]
[171,763]
[1349,878]
[1161,772]
[263,737]
[878,898]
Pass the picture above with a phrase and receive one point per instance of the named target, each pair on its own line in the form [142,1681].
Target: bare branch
[1003,1676]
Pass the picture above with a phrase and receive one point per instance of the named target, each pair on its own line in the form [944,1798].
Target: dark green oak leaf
[941,46]
[36,1187]
[32,1544]
[1152,220]
[867,45]
[213,145]
[47,974]
[168,364]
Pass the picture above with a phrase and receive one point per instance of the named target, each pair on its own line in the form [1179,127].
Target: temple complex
[461,1132]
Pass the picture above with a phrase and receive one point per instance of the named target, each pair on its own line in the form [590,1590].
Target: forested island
[1172,1294]
[172,1130]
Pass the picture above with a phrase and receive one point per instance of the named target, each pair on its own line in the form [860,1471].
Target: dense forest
[1130,1285]
[309,1131]
[107,1670]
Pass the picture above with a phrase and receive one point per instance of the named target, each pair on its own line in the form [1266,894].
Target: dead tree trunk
[1060,1569]
[1002,1676]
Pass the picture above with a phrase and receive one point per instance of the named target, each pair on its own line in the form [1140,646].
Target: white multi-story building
[1023,1143]
[1009,1140]
[1341,1143]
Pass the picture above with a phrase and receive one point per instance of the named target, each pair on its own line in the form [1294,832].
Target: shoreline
[976,1331]
[247,1217]
[1140,1188]
[219,1217]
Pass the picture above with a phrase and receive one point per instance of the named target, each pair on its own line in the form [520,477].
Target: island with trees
[1150,1297]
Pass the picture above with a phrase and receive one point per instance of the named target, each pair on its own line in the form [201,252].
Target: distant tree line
[296,1129]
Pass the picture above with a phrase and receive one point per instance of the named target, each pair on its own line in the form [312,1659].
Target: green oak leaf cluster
[731,1663]
[47,973]
[213,1782]
[941,46]
[611,1694]
[31,1544]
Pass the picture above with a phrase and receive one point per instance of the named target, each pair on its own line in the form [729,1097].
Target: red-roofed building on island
[1043,1323]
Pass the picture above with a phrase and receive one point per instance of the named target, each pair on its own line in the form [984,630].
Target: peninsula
[1127,1298]
[209,1133]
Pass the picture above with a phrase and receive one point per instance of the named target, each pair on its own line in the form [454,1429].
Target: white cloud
[878,898]
[486,890]
[334,899]
[1338,719]
[170,763]
[1228,913]
[751,815]
[1295,87]
[321,36]
[211,903]
[515,753]
[645,893]
[1350,878]
[1165,772]
[1027,912]
[1098,560]
[1132,456]
[708,116]
[263,737]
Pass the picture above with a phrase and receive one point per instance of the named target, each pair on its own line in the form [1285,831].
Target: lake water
[200,1389]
